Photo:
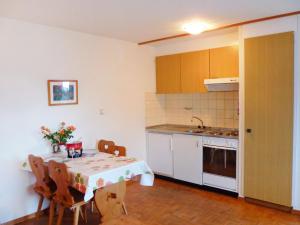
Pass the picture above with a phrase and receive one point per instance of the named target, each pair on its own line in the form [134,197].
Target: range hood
[222,84]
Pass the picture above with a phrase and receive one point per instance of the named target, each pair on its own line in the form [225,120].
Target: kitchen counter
[184,129]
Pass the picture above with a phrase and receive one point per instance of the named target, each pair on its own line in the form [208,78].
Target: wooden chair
[44,186]
[103,145]
[64,196]
[117,150]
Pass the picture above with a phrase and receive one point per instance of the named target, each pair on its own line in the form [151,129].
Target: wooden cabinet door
[194,69]
[269,114]
[159,153]
[224,62]
[168,74]
[187,156]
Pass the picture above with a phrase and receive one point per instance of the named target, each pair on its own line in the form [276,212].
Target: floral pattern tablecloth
[96,170]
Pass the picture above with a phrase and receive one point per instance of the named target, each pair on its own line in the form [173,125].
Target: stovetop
[222,132]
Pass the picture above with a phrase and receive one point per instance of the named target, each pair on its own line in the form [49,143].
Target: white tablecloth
[96,170]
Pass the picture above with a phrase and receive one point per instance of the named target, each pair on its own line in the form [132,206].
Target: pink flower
[71,128]
[45,130]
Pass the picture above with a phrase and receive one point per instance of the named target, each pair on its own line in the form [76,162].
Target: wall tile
[214,108]
[220,104]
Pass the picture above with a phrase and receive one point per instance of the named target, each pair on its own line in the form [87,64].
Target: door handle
[248,130]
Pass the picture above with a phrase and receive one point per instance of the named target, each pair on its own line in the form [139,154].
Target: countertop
[184,129]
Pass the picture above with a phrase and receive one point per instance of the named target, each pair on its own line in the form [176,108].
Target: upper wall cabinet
[224,62]
[168,74]
[186,72]
[194,69]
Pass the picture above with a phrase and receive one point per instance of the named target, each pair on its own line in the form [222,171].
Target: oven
[220,162]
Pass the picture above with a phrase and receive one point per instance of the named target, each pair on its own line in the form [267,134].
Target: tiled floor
[168,203]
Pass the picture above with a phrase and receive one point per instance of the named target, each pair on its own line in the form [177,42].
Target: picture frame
[62,92]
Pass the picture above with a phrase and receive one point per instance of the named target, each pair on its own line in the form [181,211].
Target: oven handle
[219,147]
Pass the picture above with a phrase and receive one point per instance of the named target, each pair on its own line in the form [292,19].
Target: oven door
[219,161]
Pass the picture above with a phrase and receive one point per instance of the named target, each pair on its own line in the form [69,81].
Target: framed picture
[62,92]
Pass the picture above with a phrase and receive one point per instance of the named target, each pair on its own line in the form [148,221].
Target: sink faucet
[202,124]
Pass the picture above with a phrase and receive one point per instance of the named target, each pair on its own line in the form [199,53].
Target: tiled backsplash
[217,109]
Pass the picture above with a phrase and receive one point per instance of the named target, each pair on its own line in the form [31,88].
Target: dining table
[101,177]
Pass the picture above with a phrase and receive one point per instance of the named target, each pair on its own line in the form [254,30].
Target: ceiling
[139,20]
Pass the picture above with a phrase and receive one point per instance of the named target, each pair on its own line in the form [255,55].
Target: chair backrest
[41,174]
[59,174]
[103,145]
[117,150]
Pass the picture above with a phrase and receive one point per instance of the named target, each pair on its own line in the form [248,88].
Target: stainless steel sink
[198,131]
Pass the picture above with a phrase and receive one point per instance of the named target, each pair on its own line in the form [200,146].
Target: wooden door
[194,69]
[224,62]
[159,153]
[168,74]
[269,114]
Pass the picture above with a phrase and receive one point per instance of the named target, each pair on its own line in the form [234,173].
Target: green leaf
[121,178]
[24,164]
[127,172]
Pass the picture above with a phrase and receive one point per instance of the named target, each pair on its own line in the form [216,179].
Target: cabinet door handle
[197,144]
[171,147]
[248,130]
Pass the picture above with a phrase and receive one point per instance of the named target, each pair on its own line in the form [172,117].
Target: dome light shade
[195,28]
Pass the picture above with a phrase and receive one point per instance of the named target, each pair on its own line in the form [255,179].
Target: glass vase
[56,148]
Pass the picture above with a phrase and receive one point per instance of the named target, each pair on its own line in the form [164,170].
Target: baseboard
[269,204]
[296,212]
[202,187]
[241,198]
[23,218]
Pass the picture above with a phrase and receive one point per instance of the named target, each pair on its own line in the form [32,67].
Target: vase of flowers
[59,138]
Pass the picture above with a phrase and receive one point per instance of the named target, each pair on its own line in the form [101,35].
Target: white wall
[112,74]
[264,28]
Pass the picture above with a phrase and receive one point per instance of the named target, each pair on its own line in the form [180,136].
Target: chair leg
[124,208]
[60,214]
[76,215]
[51,213]
[92,206]
[39,209]
[83,210]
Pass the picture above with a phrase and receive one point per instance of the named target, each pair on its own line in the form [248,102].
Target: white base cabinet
[159,153]
[187,158]
[178,156]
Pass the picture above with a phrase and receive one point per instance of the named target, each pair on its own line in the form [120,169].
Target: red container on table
[74,146]
[74,149]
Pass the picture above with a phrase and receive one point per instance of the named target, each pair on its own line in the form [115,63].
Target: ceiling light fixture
[195,27]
